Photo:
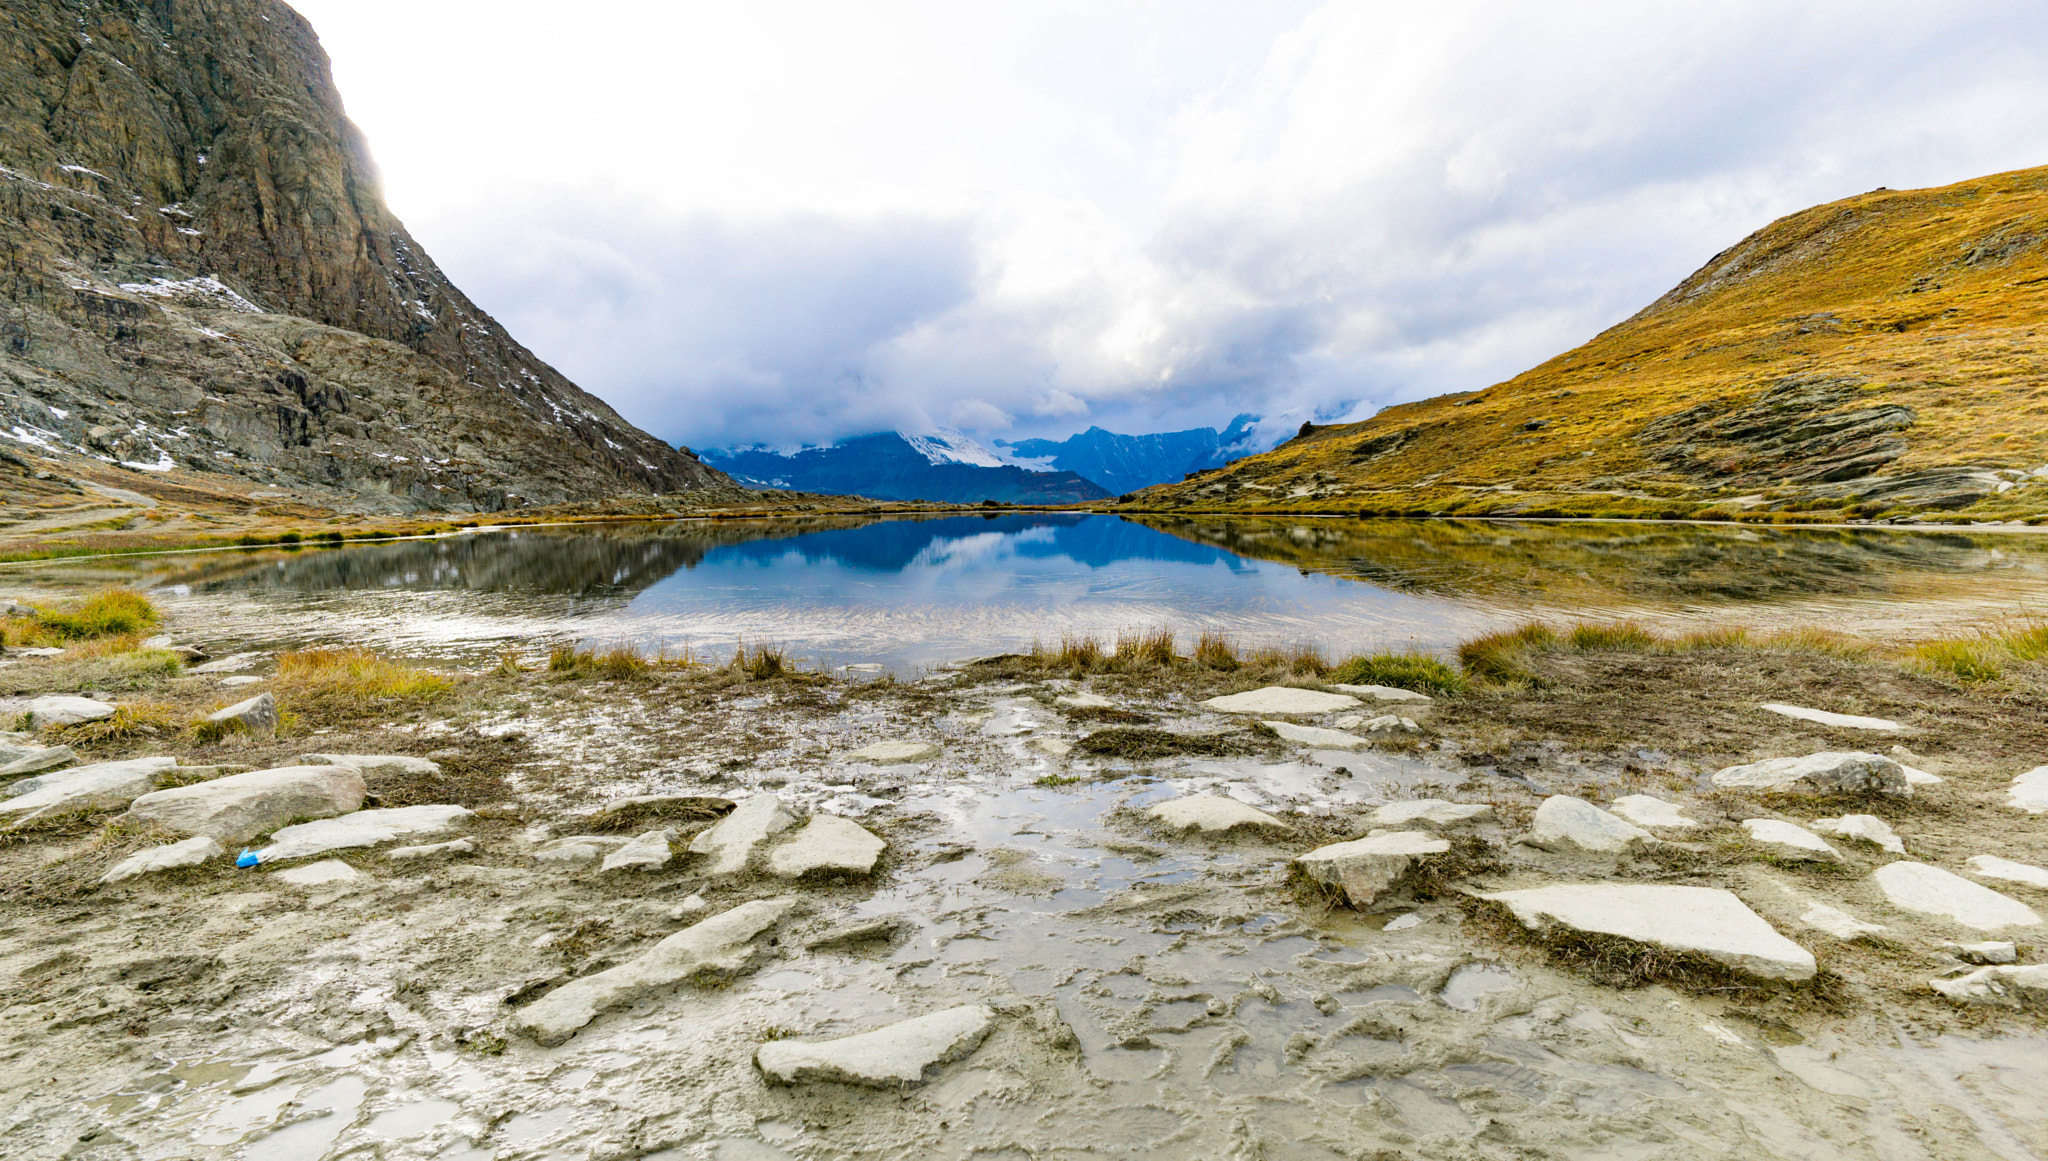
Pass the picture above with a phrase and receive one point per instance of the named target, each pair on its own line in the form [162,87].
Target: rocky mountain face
[892,466]
[1124,463]
[198,274]
[1880,357]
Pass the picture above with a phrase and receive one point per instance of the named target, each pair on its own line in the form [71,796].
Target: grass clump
[1145,647]
[1215,651]
[115,612]
[139,719]
[328,681]
[1135,744]
[762,662]
[619,662]
[1967,661]
[1417,671]
[1503,657]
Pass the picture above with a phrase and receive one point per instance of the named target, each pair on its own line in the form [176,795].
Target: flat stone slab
[2009,986]
[1993,867]
[1645,810]
[895,1056]
[242,806]
[1988,951]
[324,873]
[1368,868]
[1863,828]
[59,710]
[100,786]
[1317,737]
[1839,721]
[1837,922]
[238,682]
[732,841]
[895,753]
[723,945]
[1563,822]
[1212,814]
[1430,812]
[1918,777]
[827,844]
[1084,700]
[374,763]
[1384,693]
[1828,772]
[1790,841]
[230,663]
[579,848]
[2029,791]
[1390,723]
[461,846]
[1052,747]
[190,853]
[363,828]
[1933,891]
[1704,920]
[649,852]
[1282,699]
[32,760]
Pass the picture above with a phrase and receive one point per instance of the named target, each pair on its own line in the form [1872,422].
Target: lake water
[916,593]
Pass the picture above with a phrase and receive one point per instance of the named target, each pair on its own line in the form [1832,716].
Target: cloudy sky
[783,220]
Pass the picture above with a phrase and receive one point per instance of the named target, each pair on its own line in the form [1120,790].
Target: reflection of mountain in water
[1675,562]
[892,546]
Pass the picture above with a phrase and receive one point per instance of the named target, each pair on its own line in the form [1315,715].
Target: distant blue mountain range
[1125,463]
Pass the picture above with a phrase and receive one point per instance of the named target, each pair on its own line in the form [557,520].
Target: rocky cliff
[198,274]
[1879,357]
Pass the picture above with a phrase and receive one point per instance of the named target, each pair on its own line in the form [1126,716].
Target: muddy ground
[1158,995]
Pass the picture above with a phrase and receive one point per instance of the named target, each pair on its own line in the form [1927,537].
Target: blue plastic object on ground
[247,859]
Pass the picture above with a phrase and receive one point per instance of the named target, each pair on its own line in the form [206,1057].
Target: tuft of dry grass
[327,682]
[1417,671]
[1215,651]
[1137,647]
[762,662]
[114,612]
[135,719]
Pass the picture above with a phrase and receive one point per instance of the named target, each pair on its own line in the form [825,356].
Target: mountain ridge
[893,466]
[1126,463]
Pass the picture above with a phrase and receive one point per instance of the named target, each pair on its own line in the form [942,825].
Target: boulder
[1212,814]
[826,844]
[2029,791]
[731,842]
[32,760]
[1866,828]
[1828,772]
[256,716]
[325,873]
[1385,693]
[1390,723]
[649,852]
[895,1056]
[1837,922]
[579,848]
[1839,721]
[242,806]
[1785,840]
[1704,920]
[1084,700]
[1644,810]
[58,710]
[723,945]
[1993,867]
[190,853]
[2008,986]
[364,828]
[100,786]
[1282,699]
[1429,812]
[374,763]
[461,846]
[1988,951]
[1933,891]
[1563,822]
[1369,868]
[1316,736]
[895,753]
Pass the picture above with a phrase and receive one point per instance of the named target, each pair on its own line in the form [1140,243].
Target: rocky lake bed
[1742,900]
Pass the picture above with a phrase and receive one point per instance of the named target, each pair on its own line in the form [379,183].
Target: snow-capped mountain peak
[947,446]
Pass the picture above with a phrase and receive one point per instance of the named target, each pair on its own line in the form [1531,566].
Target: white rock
[32,760]
[1933,891]
[1706,920]
[723,944]
[258,715]
[1989,951]
[461,846]
[1863,828]
[893,1056]
[579,848]
[229,664]
[1368,868]
[1645,810]
[1281,699]
[58,710]
[1316,736]
[2029,791]
[100,786]
[1084,700]
[1563,821]
[190,853]
[1837,922]
[363,828]
[2008,986]
[649,852]
[895,753]
[39,651]
[1385,693]
[1993,867]
[1824,773]
[1918,777]
[242,806]
[1053,747]
[829,844]
[238,682]
[1841,721]
[1404,922]
[1212,814]
[1387,723]
[374,763]
[731,842]
[690,905]
[1430,812]
[320,874]
[1789,841]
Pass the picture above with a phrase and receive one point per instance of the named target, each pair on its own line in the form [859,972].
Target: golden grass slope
[1927,300]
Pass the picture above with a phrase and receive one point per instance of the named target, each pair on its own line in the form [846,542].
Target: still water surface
[916,593]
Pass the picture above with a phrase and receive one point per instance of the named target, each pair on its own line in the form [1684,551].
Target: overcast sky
[788,221]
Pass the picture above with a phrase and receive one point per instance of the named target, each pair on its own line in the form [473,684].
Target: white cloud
[795,220]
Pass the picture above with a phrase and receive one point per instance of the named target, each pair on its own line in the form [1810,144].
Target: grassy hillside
[1879,357]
